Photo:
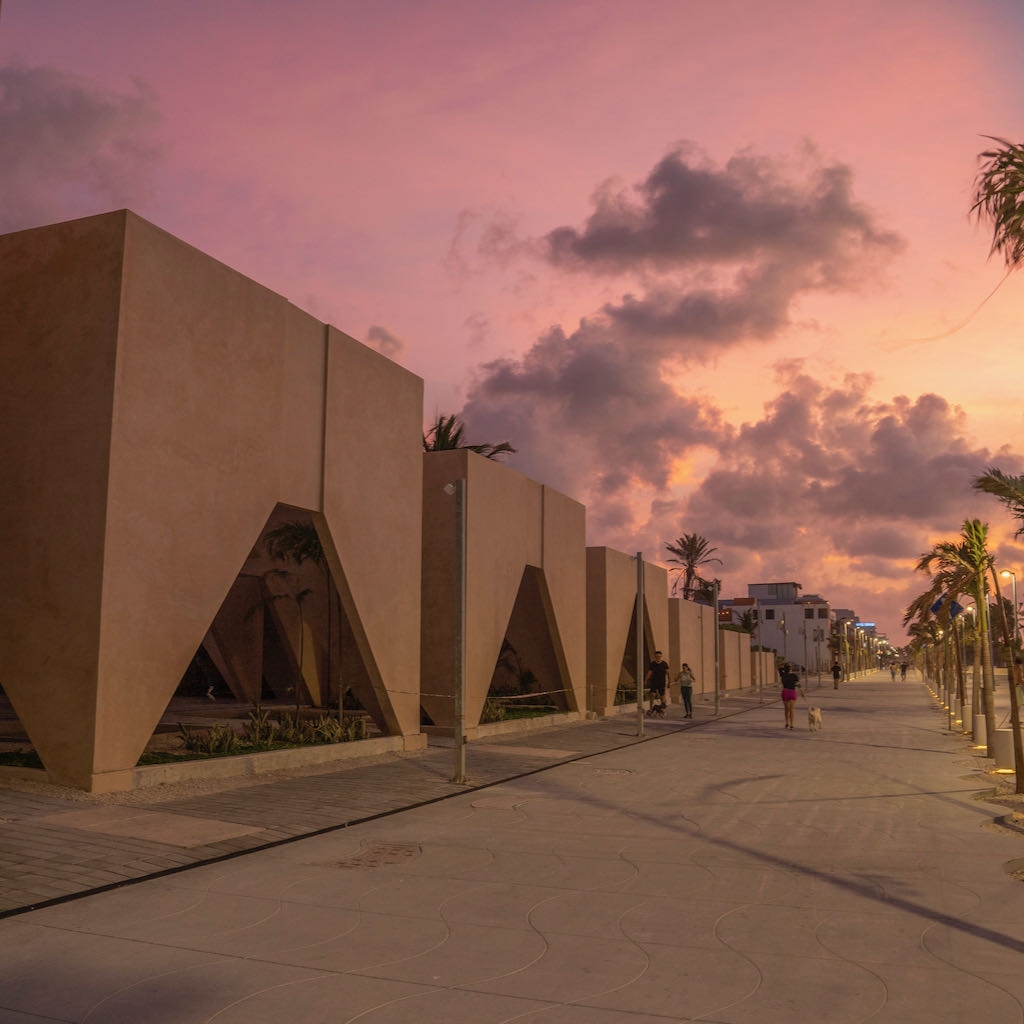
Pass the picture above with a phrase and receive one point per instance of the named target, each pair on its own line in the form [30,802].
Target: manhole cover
[380,855]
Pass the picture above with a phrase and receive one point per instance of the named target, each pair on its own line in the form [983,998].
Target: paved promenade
[724,871]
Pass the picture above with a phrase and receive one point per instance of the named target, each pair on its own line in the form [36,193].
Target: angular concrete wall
[611,601]
[514,525]
[734,659]
[157,405]
[692,631]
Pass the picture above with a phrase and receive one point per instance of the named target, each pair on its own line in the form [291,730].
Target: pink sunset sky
[709,267]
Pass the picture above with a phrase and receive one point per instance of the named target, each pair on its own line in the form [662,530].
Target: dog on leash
[814,719]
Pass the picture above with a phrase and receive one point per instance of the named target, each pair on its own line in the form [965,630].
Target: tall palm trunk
[1018,746]
[987,676]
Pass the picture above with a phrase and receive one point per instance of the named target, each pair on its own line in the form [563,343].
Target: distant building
[798,628]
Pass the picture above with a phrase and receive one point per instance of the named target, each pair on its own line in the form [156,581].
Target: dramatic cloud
[830,487]
[867,477]
[70,148]
[596,411]
[688,213]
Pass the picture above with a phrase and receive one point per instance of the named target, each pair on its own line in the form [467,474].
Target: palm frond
[999,198]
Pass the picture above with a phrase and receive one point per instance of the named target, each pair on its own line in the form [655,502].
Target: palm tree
[447,432]
[748,621]
[962,567]
[1009,490]
[689,553]
[999,198]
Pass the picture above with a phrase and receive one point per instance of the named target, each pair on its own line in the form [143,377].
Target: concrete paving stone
[1010,982]
[944,996]
[734,870]
[757,928]
[328,887]
[572,968]
[375,944]
[877,938]
[414,896]
[685,984]
[56,974]
[795,988]
[974,946]
[335,998]
[469,956]
[539,908]
[567,1013]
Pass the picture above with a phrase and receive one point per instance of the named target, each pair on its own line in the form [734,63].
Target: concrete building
[157,408]
[797,627]
[202,478]
[525,581]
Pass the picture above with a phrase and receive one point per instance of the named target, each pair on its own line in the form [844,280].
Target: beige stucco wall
[512,522]
[157,406]
[734,658]
[693,640]
[611,600]
[763,675]
[373,485]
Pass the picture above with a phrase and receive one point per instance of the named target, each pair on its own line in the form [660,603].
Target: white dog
[814,719]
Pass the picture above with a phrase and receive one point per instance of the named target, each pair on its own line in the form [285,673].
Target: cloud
[749,238]
[71,149]
[830,486]
[687,212]
[381,339]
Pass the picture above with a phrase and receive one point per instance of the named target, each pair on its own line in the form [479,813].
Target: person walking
[655,680]
[837,674]
[685,680]
[790,688]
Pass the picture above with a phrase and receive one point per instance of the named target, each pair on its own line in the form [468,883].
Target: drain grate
[381,855]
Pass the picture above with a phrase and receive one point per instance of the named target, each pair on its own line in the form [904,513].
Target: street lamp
[1016,620]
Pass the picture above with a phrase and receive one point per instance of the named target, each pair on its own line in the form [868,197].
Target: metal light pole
[640,643]
[459,489]
[714,619]
[759,661]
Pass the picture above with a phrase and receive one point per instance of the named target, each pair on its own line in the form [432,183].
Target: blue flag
[955,609]
[938,604]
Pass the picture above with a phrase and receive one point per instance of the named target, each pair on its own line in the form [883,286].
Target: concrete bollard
[979,730]
[1004,748]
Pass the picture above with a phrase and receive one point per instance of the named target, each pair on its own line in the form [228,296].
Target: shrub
[219,740]
[494,711]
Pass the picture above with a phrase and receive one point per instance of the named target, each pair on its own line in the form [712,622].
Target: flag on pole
[938,604]
[955,609]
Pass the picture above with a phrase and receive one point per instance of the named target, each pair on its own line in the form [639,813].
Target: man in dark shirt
[656,679]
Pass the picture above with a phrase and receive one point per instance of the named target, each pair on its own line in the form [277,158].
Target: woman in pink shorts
[790,689]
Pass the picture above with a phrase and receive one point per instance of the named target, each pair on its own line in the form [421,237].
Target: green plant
[259,731]
[293,731]
[493,711]
[218,740]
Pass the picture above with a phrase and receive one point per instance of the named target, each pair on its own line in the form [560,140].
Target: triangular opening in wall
[281,640]
[530,677]
[16,749]
[626,689]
